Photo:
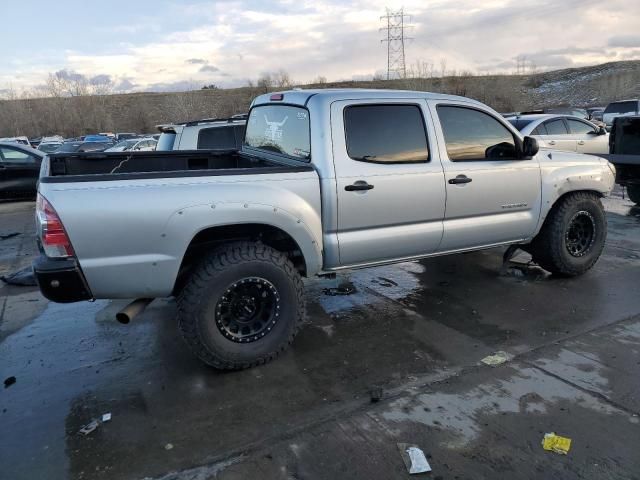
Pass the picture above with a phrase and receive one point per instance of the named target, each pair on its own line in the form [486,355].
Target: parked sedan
[563,132]
[49,147]
[79,147]
[19,169]
[138,144]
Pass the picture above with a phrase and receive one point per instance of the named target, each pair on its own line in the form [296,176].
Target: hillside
[140,112]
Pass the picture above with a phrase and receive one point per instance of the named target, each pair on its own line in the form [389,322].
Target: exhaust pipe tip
[135,308]
[123,318]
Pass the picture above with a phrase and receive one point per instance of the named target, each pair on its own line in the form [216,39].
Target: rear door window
[385,133]
[217,138]
[577,127]
[556,127]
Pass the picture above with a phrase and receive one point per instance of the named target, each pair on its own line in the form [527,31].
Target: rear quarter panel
[130,235]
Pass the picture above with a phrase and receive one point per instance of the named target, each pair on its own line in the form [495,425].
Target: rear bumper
[61,280]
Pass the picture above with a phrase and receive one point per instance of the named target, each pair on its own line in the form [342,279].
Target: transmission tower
[396,38]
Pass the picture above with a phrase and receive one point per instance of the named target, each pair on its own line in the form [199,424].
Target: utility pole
[396,38]
[521,64]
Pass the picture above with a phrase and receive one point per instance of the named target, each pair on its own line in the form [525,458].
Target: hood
[562,156]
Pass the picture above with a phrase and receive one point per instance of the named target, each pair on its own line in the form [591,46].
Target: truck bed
[103,166]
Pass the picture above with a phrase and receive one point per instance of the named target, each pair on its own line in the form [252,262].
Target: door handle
[581,142]
[359,185]
[551,142]
[460,179]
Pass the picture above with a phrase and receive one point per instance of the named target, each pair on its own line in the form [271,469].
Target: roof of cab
[301,97]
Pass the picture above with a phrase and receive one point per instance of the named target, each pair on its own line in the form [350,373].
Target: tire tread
[191,296]
[547,251]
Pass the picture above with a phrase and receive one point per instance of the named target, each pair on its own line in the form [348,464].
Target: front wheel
[242,306]
[573,235]
[634,193]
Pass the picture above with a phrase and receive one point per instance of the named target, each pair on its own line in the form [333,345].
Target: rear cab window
[279,129]
[386,133]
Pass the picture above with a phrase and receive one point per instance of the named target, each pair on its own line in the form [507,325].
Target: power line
[396,38]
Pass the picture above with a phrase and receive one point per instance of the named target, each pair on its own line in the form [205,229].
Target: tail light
[53,237]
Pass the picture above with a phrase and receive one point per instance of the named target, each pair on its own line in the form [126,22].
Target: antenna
[396,38]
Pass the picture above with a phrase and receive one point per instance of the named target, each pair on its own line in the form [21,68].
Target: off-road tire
[634,193]
[198,300]
[549,248]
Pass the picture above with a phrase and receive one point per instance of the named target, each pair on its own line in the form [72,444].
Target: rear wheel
[634,193]
[242,306]
[573,235]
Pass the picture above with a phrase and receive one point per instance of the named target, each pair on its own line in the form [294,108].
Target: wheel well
[208,239]
[566,194]
[562,197]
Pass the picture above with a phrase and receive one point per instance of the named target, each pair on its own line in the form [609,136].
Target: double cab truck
[325,181]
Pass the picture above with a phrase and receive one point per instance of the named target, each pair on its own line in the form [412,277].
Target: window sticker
[274,129]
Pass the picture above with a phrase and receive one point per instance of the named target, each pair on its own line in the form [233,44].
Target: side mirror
[530,147]
[602,131]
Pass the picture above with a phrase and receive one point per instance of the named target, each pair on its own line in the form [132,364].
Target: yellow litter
[556,443]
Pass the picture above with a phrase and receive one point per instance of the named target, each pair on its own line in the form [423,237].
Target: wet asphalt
[412,334]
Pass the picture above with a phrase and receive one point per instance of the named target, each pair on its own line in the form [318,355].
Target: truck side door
[389,180]
[493,196]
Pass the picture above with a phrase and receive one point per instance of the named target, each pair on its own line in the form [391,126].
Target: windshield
[124,145]
[621,107]
[68,147]
[281,129]
[49,147]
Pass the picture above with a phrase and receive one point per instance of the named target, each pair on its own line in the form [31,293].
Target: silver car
[563,132]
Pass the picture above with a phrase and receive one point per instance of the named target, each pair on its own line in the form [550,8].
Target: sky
[170,45]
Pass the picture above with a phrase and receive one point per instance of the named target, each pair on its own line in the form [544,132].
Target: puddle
[528,391]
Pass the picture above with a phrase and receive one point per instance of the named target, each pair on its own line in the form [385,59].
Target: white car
[563,132]
[206,134]
[49,146]
[21,140]
[137,144]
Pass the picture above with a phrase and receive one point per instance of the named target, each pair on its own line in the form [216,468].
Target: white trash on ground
[414,458]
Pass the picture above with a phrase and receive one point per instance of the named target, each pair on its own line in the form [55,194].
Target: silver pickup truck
[326,180]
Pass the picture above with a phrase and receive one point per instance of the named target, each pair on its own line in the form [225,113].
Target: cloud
[101,79]
[69,75]
[625,41]
[177,86]
[124,85]
[238,39]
